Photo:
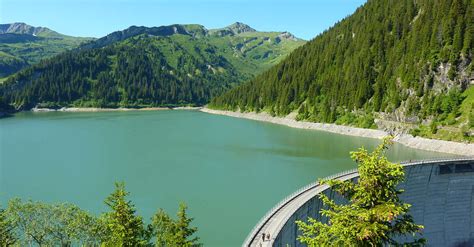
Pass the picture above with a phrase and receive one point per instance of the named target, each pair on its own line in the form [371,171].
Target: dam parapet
[441,192]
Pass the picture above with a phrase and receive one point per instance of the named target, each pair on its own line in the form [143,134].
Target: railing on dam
[261,223]
[285,201]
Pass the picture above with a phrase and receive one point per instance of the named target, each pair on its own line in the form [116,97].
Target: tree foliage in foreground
[174,233]
[50,224]
[37,223]
[7,234]
[374,214]
[124,226]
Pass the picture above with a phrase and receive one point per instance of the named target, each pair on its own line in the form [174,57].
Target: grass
[249,61]
[468,103]
[33,52]
[255,45]
[460,128]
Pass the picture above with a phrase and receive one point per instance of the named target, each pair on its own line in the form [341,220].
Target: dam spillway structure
[441,192]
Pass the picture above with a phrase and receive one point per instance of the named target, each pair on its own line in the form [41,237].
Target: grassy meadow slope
[22,45]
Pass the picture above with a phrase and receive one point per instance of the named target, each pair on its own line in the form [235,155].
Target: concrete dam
[440,191]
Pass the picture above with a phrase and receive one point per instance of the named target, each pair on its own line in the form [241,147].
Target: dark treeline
[405,55]
[35,223]
[140,71]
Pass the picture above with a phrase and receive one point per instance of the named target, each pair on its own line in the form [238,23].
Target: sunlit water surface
[229,171]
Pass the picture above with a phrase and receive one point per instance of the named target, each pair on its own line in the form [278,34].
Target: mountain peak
[23,28]
[287,36]
[239,27]
[233,29]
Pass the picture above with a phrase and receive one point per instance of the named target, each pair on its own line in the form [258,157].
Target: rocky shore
[449,147]
[94,109]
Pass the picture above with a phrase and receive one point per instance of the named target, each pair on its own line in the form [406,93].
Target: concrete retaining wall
[441,195]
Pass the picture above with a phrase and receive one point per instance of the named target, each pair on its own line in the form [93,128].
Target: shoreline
[97,109]
[449,147]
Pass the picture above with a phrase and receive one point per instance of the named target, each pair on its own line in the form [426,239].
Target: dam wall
[441,193]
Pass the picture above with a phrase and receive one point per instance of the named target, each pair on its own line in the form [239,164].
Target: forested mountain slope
[406,63]
[158,66]
[22,45]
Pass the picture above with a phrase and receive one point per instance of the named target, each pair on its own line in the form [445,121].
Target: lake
[229,171]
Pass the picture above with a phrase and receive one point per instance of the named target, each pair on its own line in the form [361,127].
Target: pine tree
[163,229]
[374,214]
[174,233]
[125,228]
[184,231]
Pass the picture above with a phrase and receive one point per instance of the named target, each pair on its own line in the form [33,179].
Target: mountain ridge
[195,30]
[406,64]
[23,28]
[22,45]
[149,66]
[233,29]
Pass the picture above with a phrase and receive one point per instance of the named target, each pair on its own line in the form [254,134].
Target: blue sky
[96,18]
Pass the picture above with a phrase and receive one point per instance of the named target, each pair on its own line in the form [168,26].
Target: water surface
[229,171]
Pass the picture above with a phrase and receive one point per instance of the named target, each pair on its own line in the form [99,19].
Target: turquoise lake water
[229,171]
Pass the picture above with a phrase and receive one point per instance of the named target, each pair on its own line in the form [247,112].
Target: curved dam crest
[441,193]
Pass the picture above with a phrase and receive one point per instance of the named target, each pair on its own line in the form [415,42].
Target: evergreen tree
[174,233]
[184,231]
[374,214]
[163,229]
[124,227]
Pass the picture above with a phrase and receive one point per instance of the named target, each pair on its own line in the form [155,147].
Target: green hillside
[256,51]
[22,45]
[158,66]
[399,65]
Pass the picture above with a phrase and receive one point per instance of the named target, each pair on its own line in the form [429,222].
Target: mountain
[244,46]
[149,66]
[162,31]
[22,28]
[234,29]
[190,30]
[403,66]
[22,45]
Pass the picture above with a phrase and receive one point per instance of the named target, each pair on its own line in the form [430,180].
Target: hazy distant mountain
[22,45]
[150,66]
